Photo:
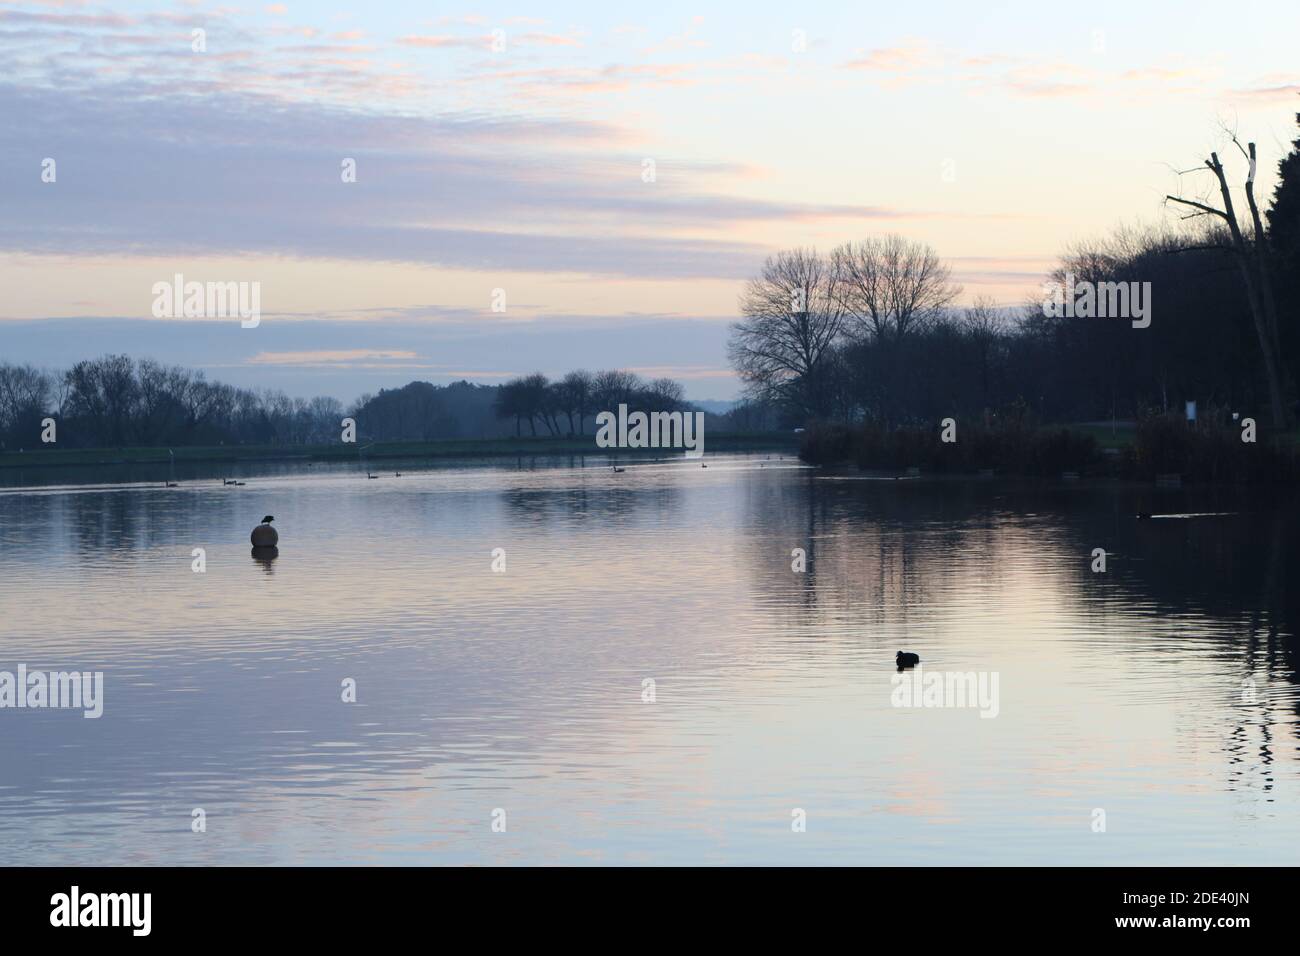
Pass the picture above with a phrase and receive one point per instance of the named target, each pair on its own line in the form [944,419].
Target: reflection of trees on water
[133,525]
[125,526]
[1271,653]
[872,548]
[623,504]
[888,553]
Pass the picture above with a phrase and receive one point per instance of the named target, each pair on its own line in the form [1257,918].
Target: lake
[648,681]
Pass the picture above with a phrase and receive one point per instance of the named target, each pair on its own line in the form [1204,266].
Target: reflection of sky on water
[522,690]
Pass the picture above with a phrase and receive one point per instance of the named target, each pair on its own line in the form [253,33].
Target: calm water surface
[1163,692]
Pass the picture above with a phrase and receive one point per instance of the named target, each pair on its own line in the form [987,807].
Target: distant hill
[714,407]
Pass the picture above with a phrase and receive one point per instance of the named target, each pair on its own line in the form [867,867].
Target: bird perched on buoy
[906,659]
[264,536]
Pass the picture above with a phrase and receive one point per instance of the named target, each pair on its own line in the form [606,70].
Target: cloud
[455,191]
[1281,93]
[305,355]
[325,357]
[445,41]
[543,81]
[685,373]
[547,39]
[909,57]
[1032,77]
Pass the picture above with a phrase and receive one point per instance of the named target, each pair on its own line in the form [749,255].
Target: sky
[607,175]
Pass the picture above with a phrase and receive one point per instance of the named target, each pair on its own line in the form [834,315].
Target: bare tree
[793,314]
[612,387]
[576,388]
[891,285]
[1252,260]
[510,403]
[25,397]
[665,394]
[104,392]
[981,322]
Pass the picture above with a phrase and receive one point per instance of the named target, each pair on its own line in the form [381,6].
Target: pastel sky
[997,132]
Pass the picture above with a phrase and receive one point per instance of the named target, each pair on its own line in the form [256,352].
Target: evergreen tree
[1284,239]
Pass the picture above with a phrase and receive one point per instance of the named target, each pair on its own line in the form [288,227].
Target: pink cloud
[1281,93]
[899,59]
[442,40]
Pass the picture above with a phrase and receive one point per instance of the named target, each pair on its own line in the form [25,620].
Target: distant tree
[576,394]
[665,394]
[115,400]
[749,416]
[413,412]
[982,324]
[536,398]
[102,393]
[510,403]
[613,387]
[26,396]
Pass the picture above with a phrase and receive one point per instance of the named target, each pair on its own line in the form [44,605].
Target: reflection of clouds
[230,685]
[522,689]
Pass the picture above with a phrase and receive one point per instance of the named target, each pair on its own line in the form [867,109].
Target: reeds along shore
[1163,444]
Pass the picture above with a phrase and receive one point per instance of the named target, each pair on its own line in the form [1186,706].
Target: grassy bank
[1158,445]
[459,448]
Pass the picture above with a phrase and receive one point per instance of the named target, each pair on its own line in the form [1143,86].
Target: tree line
[563,407]
[116,401]
[869,332]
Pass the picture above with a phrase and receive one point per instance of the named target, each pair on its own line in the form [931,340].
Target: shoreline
[443,448]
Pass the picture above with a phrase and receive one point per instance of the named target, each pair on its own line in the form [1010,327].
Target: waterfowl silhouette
[618,470]
[905,659]
[268,519]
